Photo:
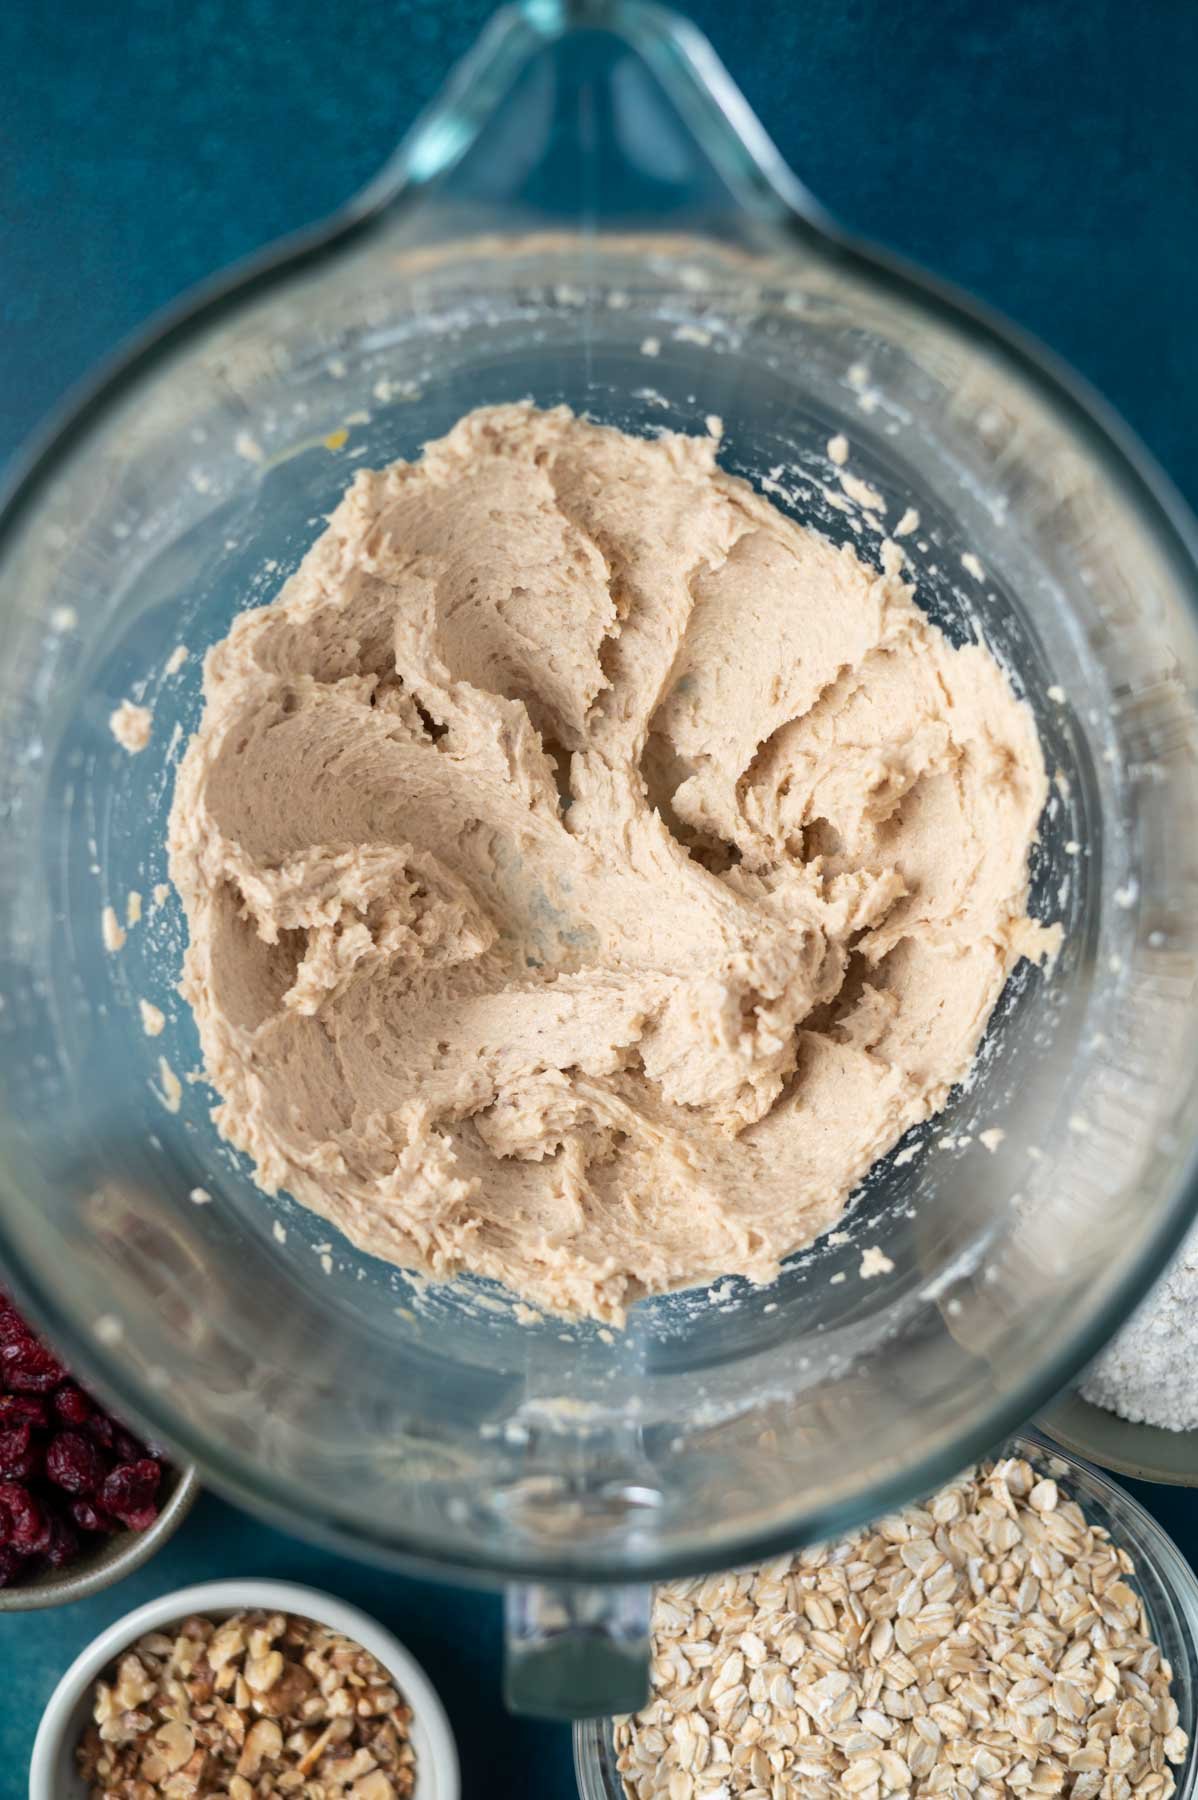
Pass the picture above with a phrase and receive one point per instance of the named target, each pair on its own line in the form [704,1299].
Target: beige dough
[590,873]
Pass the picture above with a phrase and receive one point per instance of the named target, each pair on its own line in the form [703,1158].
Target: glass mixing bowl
[591,215]
[1164,1580]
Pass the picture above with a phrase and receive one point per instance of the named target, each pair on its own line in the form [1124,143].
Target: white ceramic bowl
[52,1772]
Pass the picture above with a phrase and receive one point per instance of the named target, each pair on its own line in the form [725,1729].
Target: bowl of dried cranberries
[83,1500]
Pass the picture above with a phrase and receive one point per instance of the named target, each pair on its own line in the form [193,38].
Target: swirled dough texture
[590,873]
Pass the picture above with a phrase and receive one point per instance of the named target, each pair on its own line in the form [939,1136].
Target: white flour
[1150,1372]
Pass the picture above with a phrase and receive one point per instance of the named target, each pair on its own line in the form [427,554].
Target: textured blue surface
[1036,151]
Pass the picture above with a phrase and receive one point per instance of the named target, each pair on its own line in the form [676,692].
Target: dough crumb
[63,618]
[1057,694]
[153,1019]
[111,930]
[175,660]
[651,346]
[972,566]
[385,390]
[838,449]
[130,726]
[907,524]
[161,892]
[862,493]
[992,1138]
[248,448]
[875,1262]
[171,1093]
[133,907]
[280,1234]
[200,1197]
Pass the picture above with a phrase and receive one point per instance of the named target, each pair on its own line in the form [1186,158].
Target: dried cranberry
[30,1528]
[29,1368]
[90,1517]
[20,1457]
[64,1543]
[126,1448]
[102,1429]
[72,1405]
[39,1539]
[129,1489]
[73,1462]
[14,1441]
[13,1328]
[57,1451]
[23,1409]
[12,1565]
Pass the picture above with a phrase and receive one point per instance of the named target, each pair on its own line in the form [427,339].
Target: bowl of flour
[1136,1410]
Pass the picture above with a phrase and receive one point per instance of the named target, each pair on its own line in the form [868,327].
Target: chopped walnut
[257,1705]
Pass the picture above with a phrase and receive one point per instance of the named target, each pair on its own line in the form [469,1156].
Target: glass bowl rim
[1080,414]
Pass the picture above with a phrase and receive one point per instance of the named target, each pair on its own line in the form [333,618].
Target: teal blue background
[1040,152]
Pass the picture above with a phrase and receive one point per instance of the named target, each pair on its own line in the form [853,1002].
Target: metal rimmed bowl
[1164,1579]
[115,1558]
[1129,1447]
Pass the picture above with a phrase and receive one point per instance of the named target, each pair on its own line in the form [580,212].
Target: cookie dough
[590,873]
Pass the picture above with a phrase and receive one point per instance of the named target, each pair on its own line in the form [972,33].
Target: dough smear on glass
[590,873]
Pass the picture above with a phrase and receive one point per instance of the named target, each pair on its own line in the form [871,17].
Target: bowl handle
[576,1652]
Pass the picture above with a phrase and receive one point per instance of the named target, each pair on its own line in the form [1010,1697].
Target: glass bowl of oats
[245,1688]
[1028,1629]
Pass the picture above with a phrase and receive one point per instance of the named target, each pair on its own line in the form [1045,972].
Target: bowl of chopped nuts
[1028,1624]
[245,1688]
